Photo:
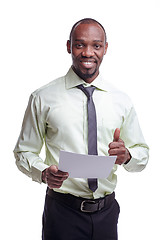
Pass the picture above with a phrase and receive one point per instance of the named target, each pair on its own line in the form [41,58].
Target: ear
[68,46]
[106,46]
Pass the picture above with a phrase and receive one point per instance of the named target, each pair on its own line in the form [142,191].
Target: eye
[97,46]
[79,45]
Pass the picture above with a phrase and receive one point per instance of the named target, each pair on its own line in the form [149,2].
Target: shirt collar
[72,80]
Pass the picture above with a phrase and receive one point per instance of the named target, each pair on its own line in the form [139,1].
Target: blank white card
[86,166]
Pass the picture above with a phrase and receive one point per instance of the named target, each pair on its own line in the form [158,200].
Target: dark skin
[87,48]
[117,148]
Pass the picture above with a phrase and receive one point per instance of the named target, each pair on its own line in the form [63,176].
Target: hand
[117,148]
[54,177]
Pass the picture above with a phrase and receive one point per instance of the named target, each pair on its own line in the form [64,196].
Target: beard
[86,75]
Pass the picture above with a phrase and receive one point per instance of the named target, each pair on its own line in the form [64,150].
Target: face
[87,47]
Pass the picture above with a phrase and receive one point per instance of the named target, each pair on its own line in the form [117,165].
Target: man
[59,114]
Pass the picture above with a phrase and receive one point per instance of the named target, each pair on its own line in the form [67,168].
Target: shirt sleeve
[134,141]
[30,142]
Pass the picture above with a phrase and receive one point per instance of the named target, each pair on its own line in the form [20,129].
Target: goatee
[87,75]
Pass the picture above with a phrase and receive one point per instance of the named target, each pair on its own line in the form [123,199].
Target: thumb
[116,135]
[53,169]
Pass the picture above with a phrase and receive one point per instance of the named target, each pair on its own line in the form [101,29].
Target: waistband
[82,204]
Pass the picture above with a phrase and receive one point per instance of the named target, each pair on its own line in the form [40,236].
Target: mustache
[91,59]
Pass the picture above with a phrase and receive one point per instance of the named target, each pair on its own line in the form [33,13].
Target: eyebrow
[81,40]
[97,41]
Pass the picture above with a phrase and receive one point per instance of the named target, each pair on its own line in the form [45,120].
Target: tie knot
[88,90]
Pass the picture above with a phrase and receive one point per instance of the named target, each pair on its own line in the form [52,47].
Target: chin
[89,74]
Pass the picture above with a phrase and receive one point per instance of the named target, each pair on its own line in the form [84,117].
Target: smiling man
[88,46]
[81,113]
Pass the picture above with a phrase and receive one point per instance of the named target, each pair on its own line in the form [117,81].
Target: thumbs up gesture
[116,135]
[117,148]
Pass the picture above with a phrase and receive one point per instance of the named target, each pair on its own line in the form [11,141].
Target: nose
[88,51]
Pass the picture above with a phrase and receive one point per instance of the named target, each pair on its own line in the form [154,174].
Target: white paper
[86,166]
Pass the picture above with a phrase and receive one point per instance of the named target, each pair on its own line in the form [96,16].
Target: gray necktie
[92,130]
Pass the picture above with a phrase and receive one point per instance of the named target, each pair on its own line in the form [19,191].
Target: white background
[32,53]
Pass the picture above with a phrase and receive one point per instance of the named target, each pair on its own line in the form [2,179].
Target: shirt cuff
[138,161]
[37,171]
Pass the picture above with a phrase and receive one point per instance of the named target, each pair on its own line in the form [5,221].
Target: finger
[116,135]
[54,171]
[53,178]
[54,181]
[120,159]
[119,162]
[116,144]
[61,174]
[117,151]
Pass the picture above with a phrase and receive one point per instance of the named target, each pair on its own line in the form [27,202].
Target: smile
[87,64]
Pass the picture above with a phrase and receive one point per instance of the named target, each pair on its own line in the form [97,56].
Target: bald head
[87,21]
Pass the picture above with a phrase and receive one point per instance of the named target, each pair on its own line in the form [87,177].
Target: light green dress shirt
[57,115]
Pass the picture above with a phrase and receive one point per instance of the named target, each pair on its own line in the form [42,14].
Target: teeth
[87,63]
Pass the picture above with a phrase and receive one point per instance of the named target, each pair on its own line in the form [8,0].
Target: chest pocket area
[109,117]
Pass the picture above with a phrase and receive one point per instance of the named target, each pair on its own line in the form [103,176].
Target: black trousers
[61,222]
